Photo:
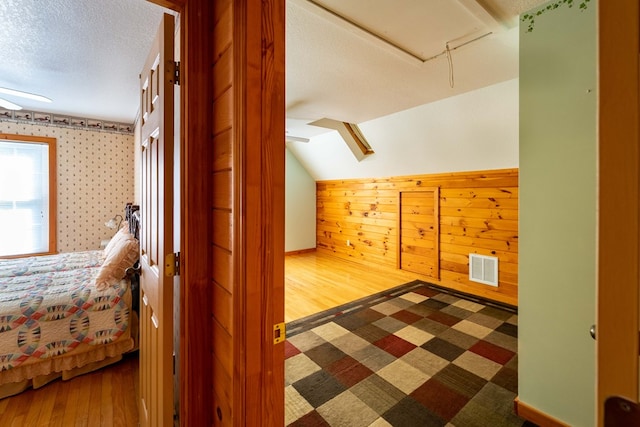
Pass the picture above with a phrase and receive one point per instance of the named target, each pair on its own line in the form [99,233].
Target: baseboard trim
[301,251]
[530,413]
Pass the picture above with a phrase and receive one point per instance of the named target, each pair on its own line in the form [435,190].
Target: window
[27,195]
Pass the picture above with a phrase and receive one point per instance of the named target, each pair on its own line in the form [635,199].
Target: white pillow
[123,254]
[121,234]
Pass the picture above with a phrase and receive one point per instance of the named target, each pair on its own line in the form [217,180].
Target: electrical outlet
[348,242]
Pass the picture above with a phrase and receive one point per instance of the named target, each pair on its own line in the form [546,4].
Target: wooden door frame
[258,228]
[618,252]
[618,203]
[196,346]
[258,212]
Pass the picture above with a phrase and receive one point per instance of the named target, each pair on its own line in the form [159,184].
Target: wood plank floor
[103,398]
[313,282]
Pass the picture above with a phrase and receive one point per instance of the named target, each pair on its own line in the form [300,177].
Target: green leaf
[530,17]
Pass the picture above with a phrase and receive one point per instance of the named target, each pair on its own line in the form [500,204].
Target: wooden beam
[532,414]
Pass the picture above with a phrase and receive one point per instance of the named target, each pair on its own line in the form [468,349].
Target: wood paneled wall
[222,210]
[478,213]
[247,210]
[232,230]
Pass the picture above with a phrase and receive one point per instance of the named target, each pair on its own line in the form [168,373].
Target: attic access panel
[420,28]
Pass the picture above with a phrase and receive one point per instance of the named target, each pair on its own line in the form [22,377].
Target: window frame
[53,194]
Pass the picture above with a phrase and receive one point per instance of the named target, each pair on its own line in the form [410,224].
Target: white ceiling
[338,70]
[86,55]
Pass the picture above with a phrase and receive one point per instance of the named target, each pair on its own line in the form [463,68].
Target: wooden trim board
[299,252]
[530,413]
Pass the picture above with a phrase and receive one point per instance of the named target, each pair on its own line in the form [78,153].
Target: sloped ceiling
[341,62]
[358,60]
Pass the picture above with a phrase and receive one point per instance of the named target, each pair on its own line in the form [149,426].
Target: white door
[156,236]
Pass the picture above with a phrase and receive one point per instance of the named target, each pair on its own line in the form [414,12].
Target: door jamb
[196,395]
[618,315]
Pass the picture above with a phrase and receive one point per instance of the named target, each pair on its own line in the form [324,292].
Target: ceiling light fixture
[22,94]
[9,105]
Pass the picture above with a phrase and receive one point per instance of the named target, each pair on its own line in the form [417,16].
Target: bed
[67,314]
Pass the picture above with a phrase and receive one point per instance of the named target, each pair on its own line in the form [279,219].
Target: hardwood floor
[313,282]
[103,398]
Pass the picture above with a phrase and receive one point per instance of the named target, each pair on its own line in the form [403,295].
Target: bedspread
[50,263]
[48,314]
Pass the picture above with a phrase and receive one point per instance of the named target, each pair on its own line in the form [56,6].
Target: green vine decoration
[530,18]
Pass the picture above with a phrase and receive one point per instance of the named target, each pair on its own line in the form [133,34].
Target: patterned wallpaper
[95,180]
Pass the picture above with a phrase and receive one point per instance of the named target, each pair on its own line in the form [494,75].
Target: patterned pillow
[123,254]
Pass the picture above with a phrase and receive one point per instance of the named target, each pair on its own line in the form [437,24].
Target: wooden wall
[247,212]
[221,211]
[478,213]
[232,230]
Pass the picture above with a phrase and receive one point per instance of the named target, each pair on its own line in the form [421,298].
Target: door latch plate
[279,333]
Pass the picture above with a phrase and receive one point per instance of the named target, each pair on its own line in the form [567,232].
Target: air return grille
[483,269]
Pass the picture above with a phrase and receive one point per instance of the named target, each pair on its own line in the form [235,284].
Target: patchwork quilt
[49,313]
[50,263]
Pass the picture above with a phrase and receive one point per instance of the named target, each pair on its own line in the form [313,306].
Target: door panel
[419,248]
[156,240]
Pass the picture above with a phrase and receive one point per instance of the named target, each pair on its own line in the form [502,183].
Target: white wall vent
[483,269]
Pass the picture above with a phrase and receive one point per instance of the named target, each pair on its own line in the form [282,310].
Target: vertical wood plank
[72,402]
[84,384]
[106,405]
[619,200]
[398,227]
[258,43]
[222,203]
[94,398]
[196,392]
[273,164]
[436,228]
[418,212]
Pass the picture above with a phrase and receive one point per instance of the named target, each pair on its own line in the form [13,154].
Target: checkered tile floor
[416,356]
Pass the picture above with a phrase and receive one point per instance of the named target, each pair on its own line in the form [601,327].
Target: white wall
[474,131]
[558,201]
[300,206]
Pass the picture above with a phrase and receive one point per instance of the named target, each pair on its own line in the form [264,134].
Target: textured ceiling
[86,55]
